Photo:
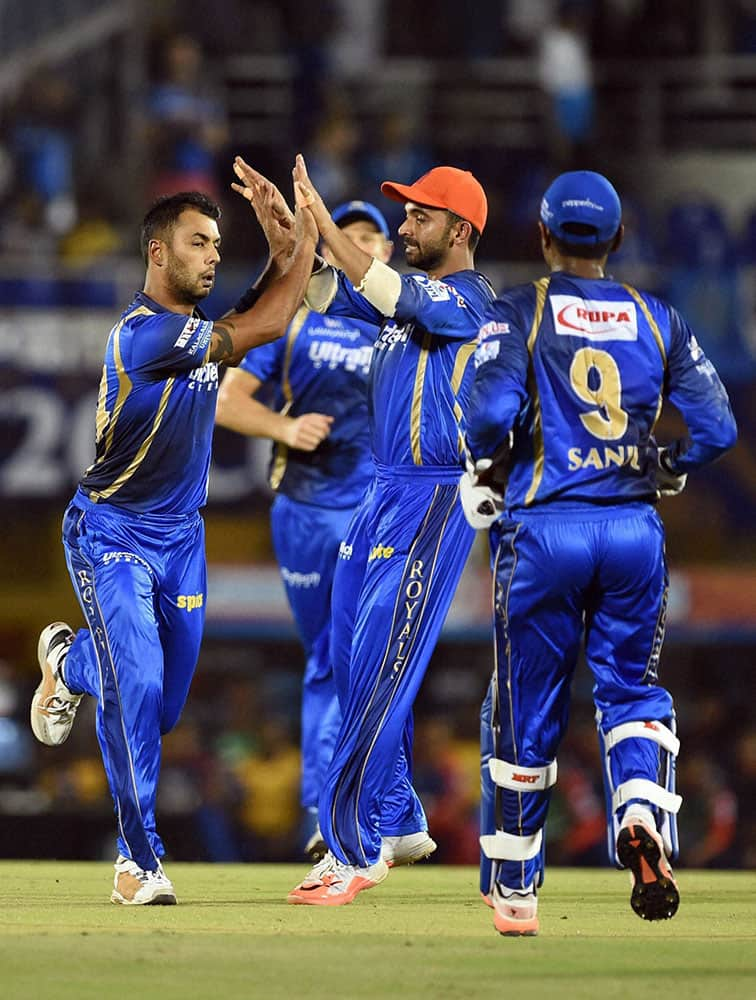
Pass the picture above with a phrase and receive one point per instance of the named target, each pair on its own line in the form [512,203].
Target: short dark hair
[474,234]
[163,215]
[586,251]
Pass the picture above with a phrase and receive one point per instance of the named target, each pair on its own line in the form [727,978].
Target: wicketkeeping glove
[668,483]
[481,504]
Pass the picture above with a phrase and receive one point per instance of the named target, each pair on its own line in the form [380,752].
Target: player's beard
[431,256]
[186,286]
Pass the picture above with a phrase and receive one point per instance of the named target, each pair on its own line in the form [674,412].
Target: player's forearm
[350,259]
[248,416]
[270,315]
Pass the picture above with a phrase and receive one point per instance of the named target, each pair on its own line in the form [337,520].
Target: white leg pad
[655,731]
[502,846]
[522,779]
[647,791]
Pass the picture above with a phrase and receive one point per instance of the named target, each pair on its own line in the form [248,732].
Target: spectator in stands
[307,29]
[269,781]
[186,122]
[566,75]
[42,144]
[331,158]
[711,813]
[393,150]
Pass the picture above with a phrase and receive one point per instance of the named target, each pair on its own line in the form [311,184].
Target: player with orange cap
[407,544]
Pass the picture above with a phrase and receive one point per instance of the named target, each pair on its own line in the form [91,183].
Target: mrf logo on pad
[593,319]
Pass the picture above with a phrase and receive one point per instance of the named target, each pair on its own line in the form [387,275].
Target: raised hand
[307,196]
[273,213]
[249,176]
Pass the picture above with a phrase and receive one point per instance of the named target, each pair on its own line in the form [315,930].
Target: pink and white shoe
[333,883]
[515,912]
[640,848]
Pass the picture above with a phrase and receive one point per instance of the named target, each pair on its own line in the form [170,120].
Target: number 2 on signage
[608,420]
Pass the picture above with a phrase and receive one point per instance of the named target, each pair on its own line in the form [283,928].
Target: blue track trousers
[398,568]
[144,589]
[595,573]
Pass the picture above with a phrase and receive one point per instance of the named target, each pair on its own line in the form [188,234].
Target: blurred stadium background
[104,105]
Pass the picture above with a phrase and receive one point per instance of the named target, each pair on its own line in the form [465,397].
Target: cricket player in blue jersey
[571,373]
[408,542]
[320,468]
[133,537]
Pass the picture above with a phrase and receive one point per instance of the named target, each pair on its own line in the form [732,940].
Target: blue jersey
[321,366]
[421,375]
[579,369]
[155,412]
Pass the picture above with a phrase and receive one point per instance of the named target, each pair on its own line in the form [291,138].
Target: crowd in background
[230,775]
[56,200]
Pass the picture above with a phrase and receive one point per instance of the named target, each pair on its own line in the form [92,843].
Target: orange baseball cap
[445,187]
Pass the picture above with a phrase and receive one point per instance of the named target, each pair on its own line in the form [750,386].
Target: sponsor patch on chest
[594,319]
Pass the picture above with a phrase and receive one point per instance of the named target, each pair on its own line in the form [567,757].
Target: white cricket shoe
[407,849]
[53,706]
[133,886]
[515,911]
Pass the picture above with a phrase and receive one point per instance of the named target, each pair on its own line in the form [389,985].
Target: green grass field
[422,933]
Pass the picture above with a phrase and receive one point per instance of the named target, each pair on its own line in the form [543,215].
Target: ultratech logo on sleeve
[593,319]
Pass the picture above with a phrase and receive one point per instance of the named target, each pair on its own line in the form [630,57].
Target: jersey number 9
[595,378]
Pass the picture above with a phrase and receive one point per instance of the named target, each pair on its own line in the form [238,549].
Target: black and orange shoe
[640,849]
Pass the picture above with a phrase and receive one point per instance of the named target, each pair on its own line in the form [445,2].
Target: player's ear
[386,251]
[464,232]
[155,252]
[545,236]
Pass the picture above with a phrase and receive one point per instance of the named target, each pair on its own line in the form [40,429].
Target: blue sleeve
[695,388]
[348,302]
[170,342]
[451,308]
[499,390]
[266,361]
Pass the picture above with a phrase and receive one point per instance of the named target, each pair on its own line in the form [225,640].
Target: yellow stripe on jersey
[541,287]
[654,326]
[105,422]
[137,460]
[417,401]
[464,354]
[649,319]
[278,468]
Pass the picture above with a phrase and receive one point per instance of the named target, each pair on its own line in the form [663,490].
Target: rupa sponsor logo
[594,319]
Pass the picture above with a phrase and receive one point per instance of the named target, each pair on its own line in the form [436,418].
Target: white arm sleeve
[321,289]
[381,286]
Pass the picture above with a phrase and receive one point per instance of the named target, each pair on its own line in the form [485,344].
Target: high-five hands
[282,227]
[307,196]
